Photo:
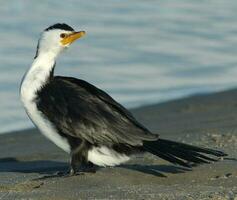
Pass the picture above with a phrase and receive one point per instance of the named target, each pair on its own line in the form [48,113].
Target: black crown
[60,26]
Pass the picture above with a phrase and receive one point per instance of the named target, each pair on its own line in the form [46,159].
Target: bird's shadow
[156,170]
[11,164]
[48,168]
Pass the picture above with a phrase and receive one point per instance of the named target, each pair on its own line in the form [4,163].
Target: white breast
[46,127]
[34,79]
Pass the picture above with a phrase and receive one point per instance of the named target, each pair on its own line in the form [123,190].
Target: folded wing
[81,110]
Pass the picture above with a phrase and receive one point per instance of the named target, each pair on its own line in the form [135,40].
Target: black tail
[180,153]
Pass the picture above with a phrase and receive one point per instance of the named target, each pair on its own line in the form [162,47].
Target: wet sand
[28,161]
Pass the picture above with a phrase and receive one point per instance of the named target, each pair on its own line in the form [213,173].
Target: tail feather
[180,153]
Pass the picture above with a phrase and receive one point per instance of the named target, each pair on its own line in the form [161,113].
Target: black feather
[83,112]
[179,153]
[60,26]
[80,110]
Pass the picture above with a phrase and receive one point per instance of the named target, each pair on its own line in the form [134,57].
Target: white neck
[37,75]
[35,78]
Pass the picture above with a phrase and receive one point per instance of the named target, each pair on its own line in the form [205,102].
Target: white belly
[103,156]
[46,127]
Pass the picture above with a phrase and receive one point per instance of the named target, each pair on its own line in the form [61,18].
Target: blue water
[140,52]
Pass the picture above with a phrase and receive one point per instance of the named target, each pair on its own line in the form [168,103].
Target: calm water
[140,52]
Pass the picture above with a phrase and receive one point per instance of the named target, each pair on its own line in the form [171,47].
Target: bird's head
[56,38]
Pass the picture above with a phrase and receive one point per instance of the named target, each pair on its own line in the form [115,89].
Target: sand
[28,161]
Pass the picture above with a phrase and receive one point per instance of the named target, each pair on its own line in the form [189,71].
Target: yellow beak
[72,37]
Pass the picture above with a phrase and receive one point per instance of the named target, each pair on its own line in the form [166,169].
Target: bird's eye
[62,35]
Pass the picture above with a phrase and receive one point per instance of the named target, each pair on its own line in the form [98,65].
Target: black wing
[81,110]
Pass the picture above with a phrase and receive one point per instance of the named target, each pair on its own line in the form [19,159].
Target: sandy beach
[28,161]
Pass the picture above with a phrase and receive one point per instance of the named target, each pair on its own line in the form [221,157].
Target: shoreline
[28,160]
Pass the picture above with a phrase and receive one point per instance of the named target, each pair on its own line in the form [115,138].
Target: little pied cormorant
[85,121]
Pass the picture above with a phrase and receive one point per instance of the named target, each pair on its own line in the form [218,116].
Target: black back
[81,110]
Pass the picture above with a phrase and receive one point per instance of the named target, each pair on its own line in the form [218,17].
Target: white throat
[36,76]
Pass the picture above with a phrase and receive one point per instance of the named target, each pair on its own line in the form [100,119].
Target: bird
[85,121]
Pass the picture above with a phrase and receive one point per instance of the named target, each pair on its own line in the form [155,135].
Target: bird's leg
[79,162]
[75,162]
[77,158]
